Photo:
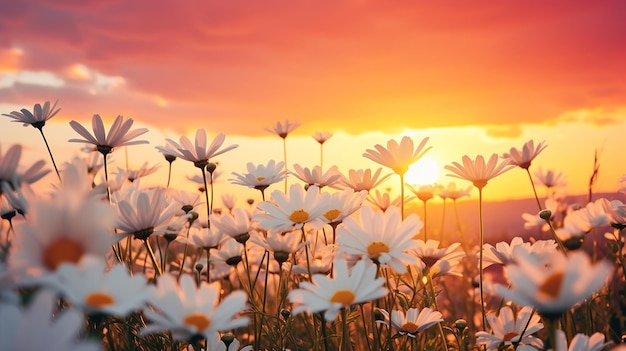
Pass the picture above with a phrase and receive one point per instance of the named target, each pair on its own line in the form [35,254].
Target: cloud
[357,66]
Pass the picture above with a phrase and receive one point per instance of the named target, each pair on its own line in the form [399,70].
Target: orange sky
[477,77]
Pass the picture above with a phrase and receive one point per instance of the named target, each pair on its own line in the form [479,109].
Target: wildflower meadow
[322,258]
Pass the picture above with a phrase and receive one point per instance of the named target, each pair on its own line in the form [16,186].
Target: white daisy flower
[191,312]
[507,329]
[119,134]
[292,211]
[260,176]
[580,342]
[554,286]
[362,179]
[413,322]
[33,328]
[62,229]
[89,287]
[346,288]
[315,176]
[383,237]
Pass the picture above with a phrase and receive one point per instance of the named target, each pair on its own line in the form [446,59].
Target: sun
[424,171]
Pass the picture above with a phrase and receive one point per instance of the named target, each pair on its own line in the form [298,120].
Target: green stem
[482,242]
[157,267]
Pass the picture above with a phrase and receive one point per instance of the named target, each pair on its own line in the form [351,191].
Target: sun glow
[424,171]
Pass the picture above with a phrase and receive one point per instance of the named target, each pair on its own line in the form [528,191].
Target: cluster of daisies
[328,262]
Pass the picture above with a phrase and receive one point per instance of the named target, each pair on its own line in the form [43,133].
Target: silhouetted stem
[49,152]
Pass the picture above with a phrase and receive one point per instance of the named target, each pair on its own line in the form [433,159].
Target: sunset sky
[477,77]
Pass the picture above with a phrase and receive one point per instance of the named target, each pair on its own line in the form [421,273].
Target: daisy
[346,288]
[292,211]
[62,229]
[230,252]
[316,177]
[554,286]
[477,171]
[37,119]
[143,171]
[383,201]
[145,212]
[398,157]
[551,179]
[282,245]
[580,342]
[361,179]
[228,200]
[236,225]
[187,201]
[322,137]
[507,329]
[383,237]
[437,261]
[197,152]
[260,176]
[451,191]
[413,322]
[9,168]
[283,130]
[89,287]
[205,238]
[502,253]
[523,158]
[191,312]
[342,204]
[119,134]
[33,328]
[423,192]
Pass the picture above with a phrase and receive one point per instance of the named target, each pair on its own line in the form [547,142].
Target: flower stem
[480,259]
[49,152]
[157,267]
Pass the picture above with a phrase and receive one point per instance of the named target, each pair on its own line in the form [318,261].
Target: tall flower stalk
[283,131]
[398,157]
[479,173]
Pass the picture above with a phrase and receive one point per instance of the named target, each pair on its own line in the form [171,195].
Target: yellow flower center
[375,249]
[552,285]
[260,179]
[343,297]
[509,336]
[197,320]
[299,216]
[409,327]
[331,215]
[62,250]
[99,299]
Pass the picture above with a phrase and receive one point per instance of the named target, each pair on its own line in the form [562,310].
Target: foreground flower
[346,288]
[580,342]
[62,229]
[119,134]
[193,313]
[414,322]
[383,237]
[554,286]
[477,171]
[33,328]
[293,211]
[507,330]
[89,287]
[342,204]
[524,157]
[9,168]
